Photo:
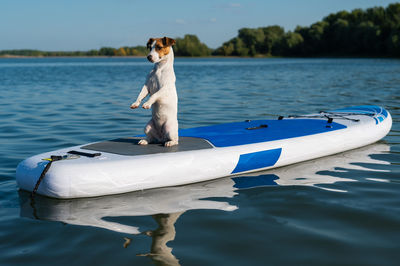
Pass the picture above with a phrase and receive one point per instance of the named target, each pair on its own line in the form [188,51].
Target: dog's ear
[149,43]
[168,41]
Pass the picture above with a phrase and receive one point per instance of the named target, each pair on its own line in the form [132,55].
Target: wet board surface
[129,146]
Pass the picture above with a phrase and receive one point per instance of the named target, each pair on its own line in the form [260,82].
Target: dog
[163,100]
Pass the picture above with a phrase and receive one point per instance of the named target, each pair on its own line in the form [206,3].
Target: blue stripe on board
[379,113]
[365,109]
[384,112]
[232,134]
[257,160]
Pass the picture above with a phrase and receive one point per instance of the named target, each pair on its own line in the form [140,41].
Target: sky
[70,25]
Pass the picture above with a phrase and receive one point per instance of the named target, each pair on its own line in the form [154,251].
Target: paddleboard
[204,153]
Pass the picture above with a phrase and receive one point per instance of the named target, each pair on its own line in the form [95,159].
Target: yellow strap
[47,159]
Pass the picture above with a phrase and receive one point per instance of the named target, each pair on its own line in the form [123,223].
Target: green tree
[376,15]
[107,51]
[92,53]
[393,15]
[341,41]
[240,47]
[366,38]
[272,36]
[190,45]
[314,38]
[291,44]
[227,49]
[253,39]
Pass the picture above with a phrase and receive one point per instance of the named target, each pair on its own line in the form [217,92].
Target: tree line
[370,32]
[189,45]
[104,51]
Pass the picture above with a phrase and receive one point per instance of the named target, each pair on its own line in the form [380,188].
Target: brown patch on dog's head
[162,45]
[149,43]
[168,41]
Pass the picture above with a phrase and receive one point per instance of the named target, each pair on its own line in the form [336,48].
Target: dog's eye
[158,47]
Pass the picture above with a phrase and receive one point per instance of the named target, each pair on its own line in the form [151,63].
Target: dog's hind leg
[171,133]
[151,134]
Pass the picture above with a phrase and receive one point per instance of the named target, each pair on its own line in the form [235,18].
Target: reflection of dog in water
[160,253]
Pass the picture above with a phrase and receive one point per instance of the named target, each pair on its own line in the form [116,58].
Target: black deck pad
[129,146]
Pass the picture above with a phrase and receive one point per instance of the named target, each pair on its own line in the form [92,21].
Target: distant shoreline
[200,57]
[131,56]
[75,56]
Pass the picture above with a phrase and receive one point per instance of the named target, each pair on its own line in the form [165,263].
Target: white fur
[160,85]
[153,53]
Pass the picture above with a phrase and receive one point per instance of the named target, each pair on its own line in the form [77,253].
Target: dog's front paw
[146,106]
[143,142]
[135,105]
[171,143]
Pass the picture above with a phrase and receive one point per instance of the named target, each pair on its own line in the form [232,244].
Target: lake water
[338,210]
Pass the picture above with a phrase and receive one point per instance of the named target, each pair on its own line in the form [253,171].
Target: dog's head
[159,48]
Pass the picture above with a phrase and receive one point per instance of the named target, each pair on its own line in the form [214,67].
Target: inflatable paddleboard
[204,153]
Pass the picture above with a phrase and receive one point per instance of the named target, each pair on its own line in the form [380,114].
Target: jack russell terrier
[160,85]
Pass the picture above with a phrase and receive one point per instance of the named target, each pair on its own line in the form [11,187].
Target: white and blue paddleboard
[204,153]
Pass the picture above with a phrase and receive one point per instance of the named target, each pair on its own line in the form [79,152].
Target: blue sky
[65,25]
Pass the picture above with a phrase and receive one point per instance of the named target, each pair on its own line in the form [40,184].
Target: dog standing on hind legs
[163,100]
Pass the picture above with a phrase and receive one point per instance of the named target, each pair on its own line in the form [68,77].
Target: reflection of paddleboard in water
[204,153]
[319,172]
[92,211]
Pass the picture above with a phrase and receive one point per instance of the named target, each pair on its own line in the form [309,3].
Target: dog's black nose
[150,58]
